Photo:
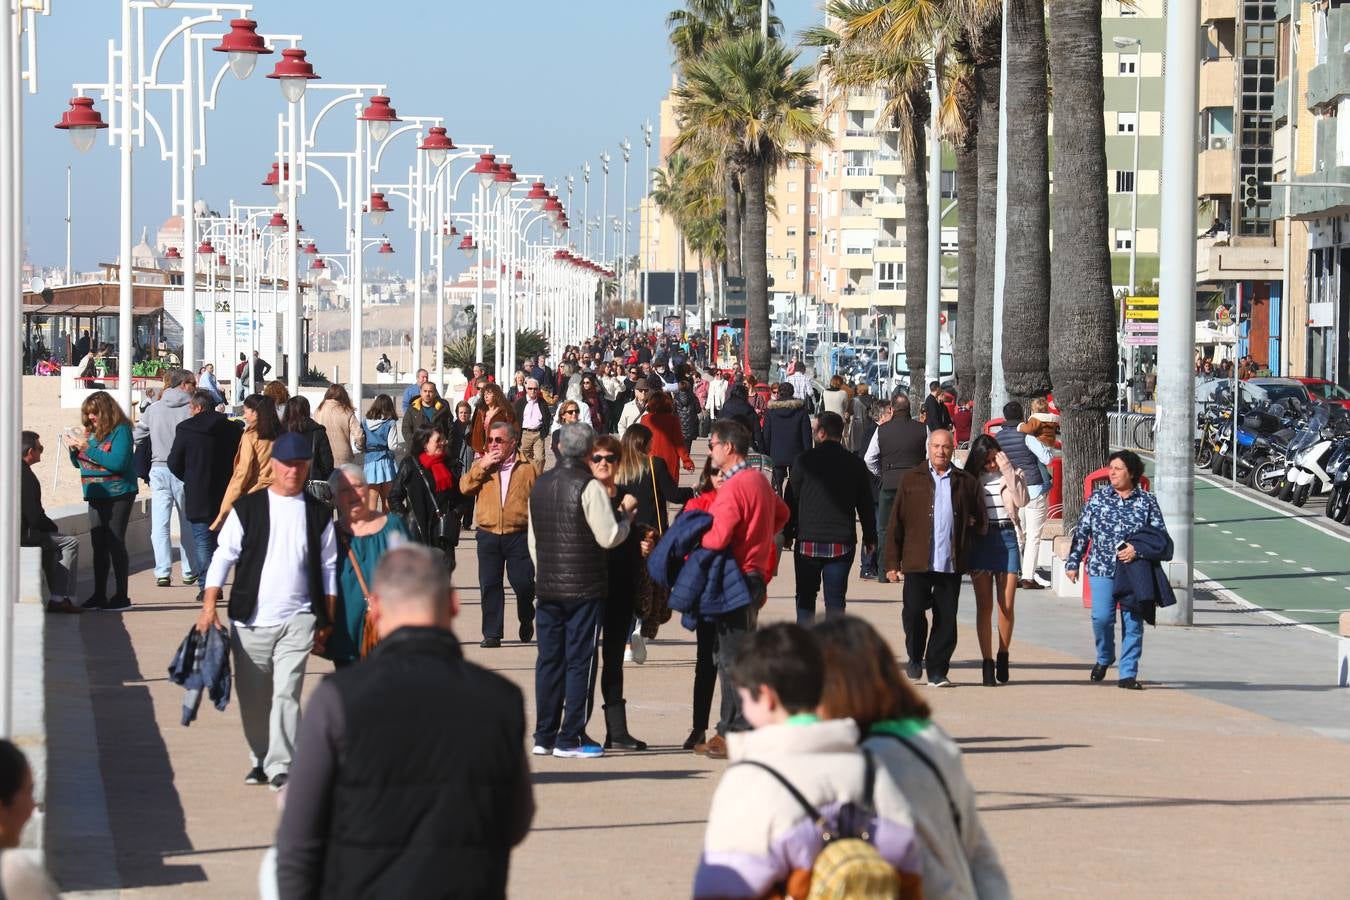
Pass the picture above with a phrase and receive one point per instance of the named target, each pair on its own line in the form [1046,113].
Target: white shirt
[283,588]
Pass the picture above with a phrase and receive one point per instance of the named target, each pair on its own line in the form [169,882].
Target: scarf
[444,479]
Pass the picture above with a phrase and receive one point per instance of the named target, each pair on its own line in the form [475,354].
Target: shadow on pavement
[1244,686]
[581,777]
[137,773]
[624,825]
[1024,748]
[1036,801]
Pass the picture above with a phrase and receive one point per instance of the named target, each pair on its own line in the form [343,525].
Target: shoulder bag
[369,638]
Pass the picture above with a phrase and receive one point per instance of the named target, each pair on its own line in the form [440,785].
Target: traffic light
[1250,188]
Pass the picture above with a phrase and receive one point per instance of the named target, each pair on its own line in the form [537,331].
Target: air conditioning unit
[1220,142]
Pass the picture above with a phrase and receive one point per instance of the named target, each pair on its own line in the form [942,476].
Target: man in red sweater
[746,515]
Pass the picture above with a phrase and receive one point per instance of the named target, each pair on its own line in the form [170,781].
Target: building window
[890,276]
[1125,123]
[792,232]
[948,184]
[1127,65]
[768,232]
[811,232]
[1255,125]
[792,187]
[792,209]
[1123,241]
[1124,182]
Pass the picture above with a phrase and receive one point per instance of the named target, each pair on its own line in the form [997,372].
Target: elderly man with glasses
[501,480]
[536,419]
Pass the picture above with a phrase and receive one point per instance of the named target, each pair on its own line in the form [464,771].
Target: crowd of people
[338,532]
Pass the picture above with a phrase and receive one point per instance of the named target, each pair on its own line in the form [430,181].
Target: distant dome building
[170,234]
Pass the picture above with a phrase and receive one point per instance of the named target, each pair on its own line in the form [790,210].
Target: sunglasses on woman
[609,458]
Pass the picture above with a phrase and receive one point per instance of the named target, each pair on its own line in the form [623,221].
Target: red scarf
[440,472]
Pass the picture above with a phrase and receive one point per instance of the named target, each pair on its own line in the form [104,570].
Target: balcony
[858,139]
[856,258]
[862,100]
[1218,84]
[1214,173]
[889,251]
[1237,259]
[888,209]
[1217,10]
[861,221]
[860,178]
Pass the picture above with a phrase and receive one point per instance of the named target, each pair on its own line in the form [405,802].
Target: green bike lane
[1289,561]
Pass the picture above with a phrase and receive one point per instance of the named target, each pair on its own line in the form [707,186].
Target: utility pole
[1176,307]
[604,208]
[586,209]
[646,218]
[626,148]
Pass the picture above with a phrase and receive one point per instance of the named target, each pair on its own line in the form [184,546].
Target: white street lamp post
[627,150]
[646,213]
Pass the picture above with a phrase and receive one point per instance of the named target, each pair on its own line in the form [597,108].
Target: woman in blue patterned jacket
[1114,512]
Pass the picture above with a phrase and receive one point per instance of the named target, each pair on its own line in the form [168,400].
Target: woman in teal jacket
[106,461]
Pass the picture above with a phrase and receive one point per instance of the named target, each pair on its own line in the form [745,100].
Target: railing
[890,242]
[857,251]
[852,171]
[860,132]
[1131,431]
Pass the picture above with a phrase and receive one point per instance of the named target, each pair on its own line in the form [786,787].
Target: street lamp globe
[276,224]
[378,208]
[276,179]
[506,179]
[379,116]
[538,196]
[205,249]
[164,4]
[386,247]
[486,168]
[468,246]
[244,45]
[83,122]
[437,145]
[294,73]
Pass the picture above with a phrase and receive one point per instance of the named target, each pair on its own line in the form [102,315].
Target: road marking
[1255,546]
[1214,587]
[1289,562]
[1225,531]
[1308,569]
[1327,578]
[1269,552]
[1310,521]
[1213,525]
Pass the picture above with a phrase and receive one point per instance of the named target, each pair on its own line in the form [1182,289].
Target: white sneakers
[637,644]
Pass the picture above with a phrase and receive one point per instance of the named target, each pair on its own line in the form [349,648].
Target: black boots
[616,729]
[989,673]
[1001,666]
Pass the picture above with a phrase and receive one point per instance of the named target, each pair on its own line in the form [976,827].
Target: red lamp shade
[221,260]
[277,223]
[205,249]
[538,196]
[81,120]
[386,247]
[468,245]
[318,264]
[437,144]
[311,249]
[553,208]
[172,253]
[378,208]
[379,115]
[519,274]
[293,72]
[486,168]
[277,177]
[244,45]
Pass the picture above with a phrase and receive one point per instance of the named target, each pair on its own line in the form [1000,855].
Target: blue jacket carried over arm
[703,583]
[1141,585]
[202,663]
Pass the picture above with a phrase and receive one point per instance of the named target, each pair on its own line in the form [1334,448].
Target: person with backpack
[801,811]
[863,683]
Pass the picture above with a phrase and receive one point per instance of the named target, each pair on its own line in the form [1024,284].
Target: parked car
[1325,390]
[1278,389]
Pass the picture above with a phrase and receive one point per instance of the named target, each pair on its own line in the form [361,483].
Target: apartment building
[1320,194]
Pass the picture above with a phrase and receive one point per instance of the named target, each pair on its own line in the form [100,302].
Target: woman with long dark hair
[339,420]
[687,409]
[426,493]
[492,408]
[995,560]
[617,614]
[106,461]
[381,433]
[298,420]
[253,460]
[863,683]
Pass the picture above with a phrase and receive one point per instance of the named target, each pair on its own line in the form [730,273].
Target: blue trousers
[1104,629]
[811,572]
[566,634]
[166,495]
[204,540]
[512,553]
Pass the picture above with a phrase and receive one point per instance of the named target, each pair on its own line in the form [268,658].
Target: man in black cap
[281,544]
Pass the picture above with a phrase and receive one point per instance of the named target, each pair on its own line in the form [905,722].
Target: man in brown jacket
[937,516]
[501,479]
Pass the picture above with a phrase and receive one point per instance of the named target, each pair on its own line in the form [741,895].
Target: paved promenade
[1220,780]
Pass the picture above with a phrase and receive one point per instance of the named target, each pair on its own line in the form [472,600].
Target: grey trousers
[269,672]
[61,563]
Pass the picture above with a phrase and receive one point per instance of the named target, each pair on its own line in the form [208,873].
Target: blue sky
[552,84]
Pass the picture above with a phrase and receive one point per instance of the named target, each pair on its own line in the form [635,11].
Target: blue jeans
[566,634]
[204,542]
[1104,629]
[811,571]
[166,492]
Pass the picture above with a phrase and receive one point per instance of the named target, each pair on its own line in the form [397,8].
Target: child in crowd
[759,837]
[1041,422]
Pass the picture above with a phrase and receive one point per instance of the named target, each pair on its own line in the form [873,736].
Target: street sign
[1141,309]
[1141,340]
[1137,327]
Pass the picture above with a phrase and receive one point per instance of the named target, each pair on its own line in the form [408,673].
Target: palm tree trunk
[1083,340]
[967,213]
[755,265]
[916,244]
[733,225]
[986,86]
[1026,298]
[702,296]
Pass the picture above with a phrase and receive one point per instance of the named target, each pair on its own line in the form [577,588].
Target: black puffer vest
[1014,444]
[570,564]
[903,444]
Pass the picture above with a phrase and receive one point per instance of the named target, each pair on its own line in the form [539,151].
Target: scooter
[1307,475]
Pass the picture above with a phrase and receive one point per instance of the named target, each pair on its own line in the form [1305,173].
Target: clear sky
[551,84]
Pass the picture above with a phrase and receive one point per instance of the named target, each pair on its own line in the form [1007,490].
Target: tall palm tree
[985,50]
[1026,294]
[746,95]
[1083,341]
[670,192]
[694,31]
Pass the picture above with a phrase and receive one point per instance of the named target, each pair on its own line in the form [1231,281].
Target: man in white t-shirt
[282,548]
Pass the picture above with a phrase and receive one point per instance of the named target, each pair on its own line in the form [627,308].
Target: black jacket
[786,431]
[835,488]
[202,457]
[570,565]
[738,409]
[652,508]
[414,497]
[545,424]
[935,414]
[33,521]
[687,409]
[410,778]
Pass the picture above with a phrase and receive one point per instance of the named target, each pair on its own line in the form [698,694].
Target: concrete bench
[1059,584]
[32,581]
[1343,652]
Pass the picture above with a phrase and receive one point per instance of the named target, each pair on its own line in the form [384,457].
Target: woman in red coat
[667,438]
